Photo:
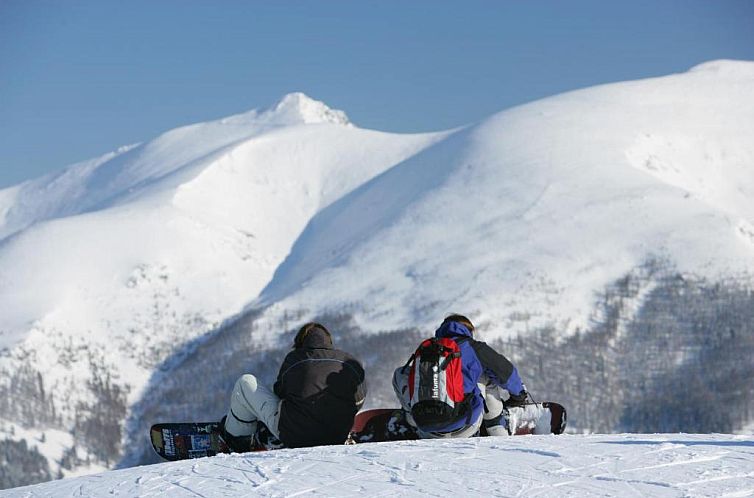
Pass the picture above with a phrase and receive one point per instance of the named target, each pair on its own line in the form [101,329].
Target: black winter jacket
[322,388]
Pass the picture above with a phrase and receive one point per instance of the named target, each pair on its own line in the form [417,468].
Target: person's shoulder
[292,357]
[345,354]
[329,354]
[475,343]
[347,357]
[481,348]
[290,362]
[295,353]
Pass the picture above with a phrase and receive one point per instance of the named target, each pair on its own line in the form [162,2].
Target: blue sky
[80,78]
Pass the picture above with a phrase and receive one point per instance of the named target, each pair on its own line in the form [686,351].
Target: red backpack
[435,384]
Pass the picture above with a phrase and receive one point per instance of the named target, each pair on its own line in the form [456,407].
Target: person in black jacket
[314,400]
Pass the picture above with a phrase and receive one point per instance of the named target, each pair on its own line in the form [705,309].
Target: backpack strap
[413,356]
[444,365]
[447,359]
[457,354]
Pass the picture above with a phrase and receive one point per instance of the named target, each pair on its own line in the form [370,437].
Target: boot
[497,426]
[264,439]
[237,444]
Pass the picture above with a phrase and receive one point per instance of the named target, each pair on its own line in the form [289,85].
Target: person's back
[318,391]
[322,388]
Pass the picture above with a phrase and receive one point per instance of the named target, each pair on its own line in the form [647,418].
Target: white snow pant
[251,402]
[493,404]
[491,393]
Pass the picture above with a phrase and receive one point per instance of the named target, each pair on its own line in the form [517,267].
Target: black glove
[517,399]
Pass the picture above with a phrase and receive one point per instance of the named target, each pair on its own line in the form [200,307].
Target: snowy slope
[215,204]
[127,172]
[661,465]
[111,265]
[187,217]
[520,219]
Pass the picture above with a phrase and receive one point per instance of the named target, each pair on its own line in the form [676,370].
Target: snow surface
[661,465]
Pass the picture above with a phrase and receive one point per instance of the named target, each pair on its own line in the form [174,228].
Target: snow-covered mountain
[114,269]
[661,465]
[527,213]
[109,266]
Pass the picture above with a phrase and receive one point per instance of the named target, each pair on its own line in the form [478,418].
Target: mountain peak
[308,110]
[293,108]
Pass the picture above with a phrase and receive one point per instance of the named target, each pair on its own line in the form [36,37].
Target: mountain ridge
[94,182]
[547,170]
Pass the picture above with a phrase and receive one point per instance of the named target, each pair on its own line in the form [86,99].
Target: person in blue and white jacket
[491,379]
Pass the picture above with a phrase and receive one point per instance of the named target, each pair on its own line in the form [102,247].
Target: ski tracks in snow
[655,466]
[569,465]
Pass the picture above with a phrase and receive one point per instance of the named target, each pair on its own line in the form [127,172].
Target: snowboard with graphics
[180,441]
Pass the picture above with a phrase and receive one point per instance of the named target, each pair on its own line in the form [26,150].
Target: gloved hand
[517,399]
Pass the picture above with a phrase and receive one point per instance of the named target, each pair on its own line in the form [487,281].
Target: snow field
[658,465]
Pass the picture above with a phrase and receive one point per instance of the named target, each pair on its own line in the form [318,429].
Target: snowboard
[537,418]
[184,440]
[390,424]
[180,441]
